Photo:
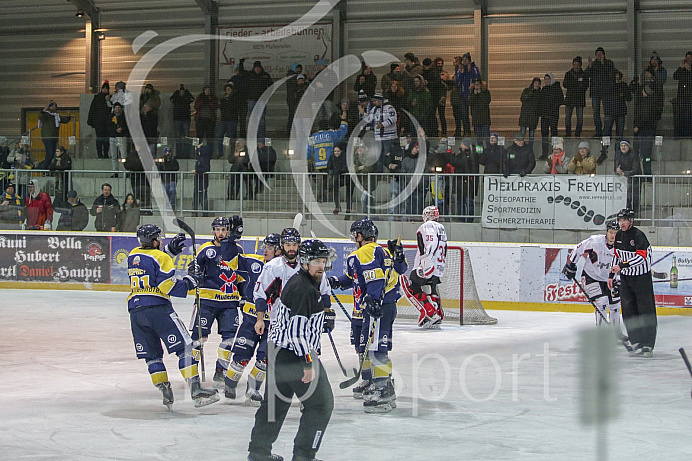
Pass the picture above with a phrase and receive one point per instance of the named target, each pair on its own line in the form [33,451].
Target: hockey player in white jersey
[428,268]
[597,252]
[276,274]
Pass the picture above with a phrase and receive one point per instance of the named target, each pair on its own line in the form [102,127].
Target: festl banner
[276,53]
[552,201]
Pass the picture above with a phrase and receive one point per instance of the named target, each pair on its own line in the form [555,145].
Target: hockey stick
[256,244]
[341,306]
[186,228]
[351,381]
[297,221]
[591,301]
[336,353]
[687,362]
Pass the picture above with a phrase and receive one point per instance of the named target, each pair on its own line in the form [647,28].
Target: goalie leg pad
[427,309]
[157,370]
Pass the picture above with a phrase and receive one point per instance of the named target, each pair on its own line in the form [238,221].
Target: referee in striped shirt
[293,367]
[632,260]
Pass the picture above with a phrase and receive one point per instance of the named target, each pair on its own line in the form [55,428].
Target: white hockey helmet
[431,213]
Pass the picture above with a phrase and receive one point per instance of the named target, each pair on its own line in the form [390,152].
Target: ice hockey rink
[72,389]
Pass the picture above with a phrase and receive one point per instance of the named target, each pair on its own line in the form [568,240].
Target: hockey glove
[570,270]
[236,230]
[616,288]
[329,317]
[334,282]
[372,307]
[195,275]
[397,251]
[176,245]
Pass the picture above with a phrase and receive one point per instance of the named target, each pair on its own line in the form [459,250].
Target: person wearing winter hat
[583,162]
[558,161]
[550,102]
[11,208]
[627,164]
[602,78]
[39,208]
[151,97]
[493,157]
[49,120]
[259,82]
[122,95]
[99,119]
[74,215]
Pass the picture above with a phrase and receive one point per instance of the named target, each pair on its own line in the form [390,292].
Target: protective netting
[457,290]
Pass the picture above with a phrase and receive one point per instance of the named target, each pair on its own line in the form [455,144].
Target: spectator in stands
[583,162]
[319,149]
[61,164]
[168,166]
[493,157]
[150,125]
[241,81]
[414,203]
[382,119]
[11,208]
[551,100]
[682,104]
[455,98]
[21,161]
[106,209]
[200,199]
[576,82]
[49,120]
[267,159]
[366,81]
[238,160]
[4,162]
[627,164]
[557,163]
[229,107]
[397,97]
[129,215]
[301,122]
[121,95]
[151,97]
[464,187]
[465,75]
[433,83]
[363,105]
[520,158]
[39,208]
[601,73]
[294,71]
[530,110]
[420,102]
[412,64]
[119,137]
[648,105]
[479,102]
[440,95]
[615,109]
[365,163]
[181,100]
[386,80]
[337,169]
[392,164]
[260,81]
[657,70]
[99,119]
[74,215]
[344,112]
[206,105]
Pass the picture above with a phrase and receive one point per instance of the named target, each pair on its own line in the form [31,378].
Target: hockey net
[458,292]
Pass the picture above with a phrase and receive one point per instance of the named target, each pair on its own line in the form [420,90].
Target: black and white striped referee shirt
[299,317]
[632,252]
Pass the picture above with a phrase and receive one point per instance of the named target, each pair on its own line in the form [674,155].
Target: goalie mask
[431,213]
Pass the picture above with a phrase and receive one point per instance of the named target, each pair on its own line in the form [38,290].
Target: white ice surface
[72,389]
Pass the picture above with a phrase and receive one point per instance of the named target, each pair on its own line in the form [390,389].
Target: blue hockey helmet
[147,233]
[220,221]
[364,227]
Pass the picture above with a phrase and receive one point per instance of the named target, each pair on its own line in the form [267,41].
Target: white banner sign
[276,53]
[552,201]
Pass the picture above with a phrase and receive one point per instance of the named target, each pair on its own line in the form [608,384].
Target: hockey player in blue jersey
[219,295]
[320,148]
[375,271]
[152,317]
[248,342]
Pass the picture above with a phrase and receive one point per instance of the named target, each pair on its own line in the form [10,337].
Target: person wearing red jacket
[39,208]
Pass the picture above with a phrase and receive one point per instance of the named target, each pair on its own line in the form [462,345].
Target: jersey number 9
[322,154]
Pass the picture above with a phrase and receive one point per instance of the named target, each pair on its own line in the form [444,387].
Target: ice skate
[201,396]
[303,458]
[218,379]
[230,392]
[167,392]
[392,392]
[272,457]
[360,388]
[253,397]
[380,401]
[645,351]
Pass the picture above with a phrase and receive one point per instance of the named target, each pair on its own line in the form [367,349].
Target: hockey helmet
[626,213]
[613,225]
[221,221]
[272,239]
[364,227]
[290,234]
[312,249]
[147,233]
[431,213]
